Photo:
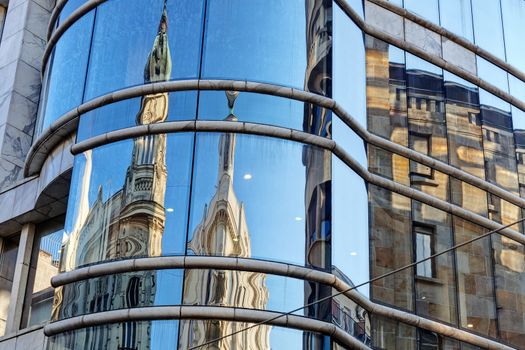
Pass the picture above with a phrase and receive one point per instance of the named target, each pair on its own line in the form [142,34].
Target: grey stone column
[23,259]
[21,49]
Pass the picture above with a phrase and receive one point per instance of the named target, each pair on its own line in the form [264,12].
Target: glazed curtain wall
[265,198]
[241,40]
[490,24]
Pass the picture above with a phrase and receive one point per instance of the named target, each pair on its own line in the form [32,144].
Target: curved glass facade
[355,211]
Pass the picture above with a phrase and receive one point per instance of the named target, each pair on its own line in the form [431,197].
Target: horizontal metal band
[298,136]
[438,61]
[451,36]
[204,313]
[68,123]
[274,268]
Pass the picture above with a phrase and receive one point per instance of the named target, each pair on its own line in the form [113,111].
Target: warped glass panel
[488,29]
[145,43]
[66,72]
[513,14]
[456,16]
[249,191]
[135,207]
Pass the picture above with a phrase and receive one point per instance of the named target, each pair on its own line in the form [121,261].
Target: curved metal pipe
[274,268]
[69,122]
[204,313]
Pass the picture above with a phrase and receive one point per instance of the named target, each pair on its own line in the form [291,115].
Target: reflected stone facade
[444,119]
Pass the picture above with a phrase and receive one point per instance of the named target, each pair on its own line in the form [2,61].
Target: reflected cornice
[269,267]
[68,123]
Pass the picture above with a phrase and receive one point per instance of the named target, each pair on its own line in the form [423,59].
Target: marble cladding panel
[46,4]
[33,340]
[32,49]
[384,20]
[460,56]
[9,344]
[9,173]
[27,15]
[19,111]
[22,78]
[423,38]
[14,144]
[10,48]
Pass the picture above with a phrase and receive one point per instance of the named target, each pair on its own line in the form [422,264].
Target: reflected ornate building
[445,120]
[130,223]
[223,231]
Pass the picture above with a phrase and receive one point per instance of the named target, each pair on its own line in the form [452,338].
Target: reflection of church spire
[223,231]
[158,67]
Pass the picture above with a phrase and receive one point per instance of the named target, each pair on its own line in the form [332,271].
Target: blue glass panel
[129,199]
[456,16]
[517,89]
[123,114]
[67,73]
[122,44]
[428,9]
[513,15]
[246,40]
[488,30]
[350,246]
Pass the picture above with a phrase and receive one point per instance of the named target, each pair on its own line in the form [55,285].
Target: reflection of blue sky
[513,15]
[488,30]
[350,224]
[245,40]
[428,9]
[65,83]
[456,16]
[348,81]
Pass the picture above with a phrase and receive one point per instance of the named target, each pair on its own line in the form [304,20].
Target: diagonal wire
[433,256]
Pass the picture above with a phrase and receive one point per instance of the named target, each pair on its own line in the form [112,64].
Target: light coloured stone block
[15,20]
[28,81]
[51,168]
[460,56]
[26,196]
[8,74]
[31,340]
[15,145]
[20,111]
[384,19]
[8,344]
[32,49]
[37,19]
[424,38]
[10,48]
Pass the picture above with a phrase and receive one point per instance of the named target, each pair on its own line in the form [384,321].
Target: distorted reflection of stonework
[445,120]
[318,186]
[130,223]
[223,231]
